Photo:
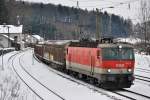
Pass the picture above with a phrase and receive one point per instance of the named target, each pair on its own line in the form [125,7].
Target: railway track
[38,80]
[143,70]
[88,85]
[138,94]
[133,95]
[124,93]
[47,90]
[143,78]
[24,80]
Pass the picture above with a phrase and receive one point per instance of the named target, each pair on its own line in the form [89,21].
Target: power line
[115,4]
[92,1]
[78,5]
[130,1]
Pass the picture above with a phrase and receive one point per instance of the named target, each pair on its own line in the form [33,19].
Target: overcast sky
[125,8]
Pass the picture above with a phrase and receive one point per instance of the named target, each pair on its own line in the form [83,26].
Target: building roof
[12,29]
[7,37]
[37,37]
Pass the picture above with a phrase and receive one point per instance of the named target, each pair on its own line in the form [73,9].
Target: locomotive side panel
[83,60]
[91,62]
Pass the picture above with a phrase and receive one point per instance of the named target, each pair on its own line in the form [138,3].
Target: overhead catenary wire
[111,3]
[92,1]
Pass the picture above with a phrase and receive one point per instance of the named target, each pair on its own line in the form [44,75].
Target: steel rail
[38,80]
[12,63]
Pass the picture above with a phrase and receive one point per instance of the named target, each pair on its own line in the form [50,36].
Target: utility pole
[145,31]
[79,21]
[99,21]
[97,25]
[2,58]
[110,22]
[8,36]
[18,20]
[77,4]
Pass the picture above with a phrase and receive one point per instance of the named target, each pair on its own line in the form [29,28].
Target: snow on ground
[78,93]
[142,65]
[64,87]
[11,88]
[140,87]
[141,62]
[42,92]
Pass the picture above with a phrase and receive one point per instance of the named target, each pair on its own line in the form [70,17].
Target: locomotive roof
[95,44]
[105,45]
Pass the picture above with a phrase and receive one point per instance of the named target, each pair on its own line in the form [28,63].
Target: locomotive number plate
[120,65]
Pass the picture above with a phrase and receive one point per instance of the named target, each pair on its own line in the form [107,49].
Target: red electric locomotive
[111,65]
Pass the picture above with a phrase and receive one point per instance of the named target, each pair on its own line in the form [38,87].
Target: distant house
[37,38]
[10,34]
[34,39]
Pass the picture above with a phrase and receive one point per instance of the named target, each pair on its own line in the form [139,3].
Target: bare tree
[145,19]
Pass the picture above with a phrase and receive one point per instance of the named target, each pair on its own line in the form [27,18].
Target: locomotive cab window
[116,54]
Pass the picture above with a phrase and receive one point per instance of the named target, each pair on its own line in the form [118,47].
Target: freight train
[108,64]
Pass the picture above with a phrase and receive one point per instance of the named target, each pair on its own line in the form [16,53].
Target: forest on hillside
[61,22]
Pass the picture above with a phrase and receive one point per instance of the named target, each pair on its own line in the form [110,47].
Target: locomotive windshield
[117,54]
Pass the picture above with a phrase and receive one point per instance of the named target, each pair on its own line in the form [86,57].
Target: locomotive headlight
[129,70]
[120,46]
[109,70]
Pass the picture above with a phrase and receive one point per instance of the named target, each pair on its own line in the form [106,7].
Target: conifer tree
[3,12]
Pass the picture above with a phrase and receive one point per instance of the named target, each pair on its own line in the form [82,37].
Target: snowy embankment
[11,88]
